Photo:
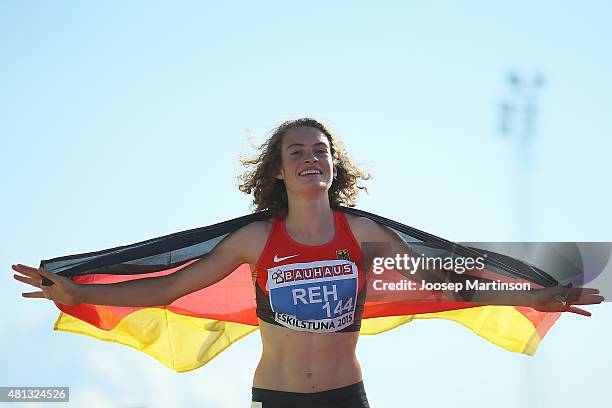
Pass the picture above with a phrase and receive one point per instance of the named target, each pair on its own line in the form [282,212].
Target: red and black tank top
[311,288]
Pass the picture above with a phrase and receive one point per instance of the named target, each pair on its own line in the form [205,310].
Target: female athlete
[301,176]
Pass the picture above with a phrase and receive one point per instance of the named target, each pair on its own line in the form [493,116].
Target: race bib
[314,296]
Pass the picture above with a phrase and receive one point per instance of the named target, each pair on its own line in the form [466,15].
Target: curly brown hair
[269,193]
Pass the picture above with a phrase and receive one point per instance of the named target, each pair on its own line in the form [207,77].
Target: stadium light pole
[518,125]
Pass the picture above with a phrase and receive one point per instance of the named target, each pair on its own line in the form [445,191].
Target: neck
[309,216]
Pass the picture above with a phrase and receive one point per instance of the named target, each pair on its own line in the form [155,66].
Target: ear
[335,172]
[280,175]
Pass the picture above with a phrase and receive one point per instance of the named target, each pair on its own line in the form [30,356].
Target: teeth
[306,172]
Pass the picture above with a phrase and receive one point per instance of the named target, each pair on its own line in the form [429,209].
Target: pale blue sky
[121,122]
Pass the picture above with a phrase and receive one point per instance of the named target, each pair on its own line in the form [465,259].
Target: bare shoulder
[360,222]
[250,240]
[365,229]
[255,230]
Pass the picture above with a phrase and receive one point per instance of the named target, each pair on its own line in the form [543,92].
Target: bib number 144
[338,308]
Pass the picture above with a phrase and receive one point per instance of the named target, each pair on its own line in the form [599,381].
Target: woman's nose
[310,157]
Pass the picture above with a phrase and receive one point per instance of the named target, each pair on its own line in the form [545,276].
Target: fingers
[30,281]
[584,296]
[27,270]
[48,278]
[592,291]
[577,292]
[579,311]
[579,296]
[33,295]
[587,300]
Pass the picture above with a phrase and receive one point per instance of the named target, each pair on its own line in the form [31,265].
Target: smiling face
[307,165]
[296,146]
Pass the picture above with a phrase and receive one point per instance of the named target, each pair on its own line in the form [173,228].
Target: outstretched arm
[552,299]
[156,291]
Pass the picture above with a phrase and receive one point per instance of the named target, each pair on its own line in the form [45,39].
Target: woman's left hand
[562,299]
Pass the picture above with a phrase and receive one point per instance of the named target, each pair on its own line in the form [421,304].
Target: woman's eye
[294,153]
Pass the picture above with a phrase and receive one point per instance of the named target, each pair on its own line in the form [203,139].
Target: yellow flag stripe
[184,343]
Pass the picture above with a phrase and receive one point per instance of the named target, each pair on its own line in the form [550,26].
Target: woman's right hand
[63,290]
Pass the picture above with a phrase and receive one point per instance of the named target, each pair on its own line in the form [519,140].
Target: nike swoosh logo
[277,259]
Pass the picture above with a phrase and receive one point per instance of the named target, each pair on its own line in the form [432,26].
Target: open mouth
[306,173]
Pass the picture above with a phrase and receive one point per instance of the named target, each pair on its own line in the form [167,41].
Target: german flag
[197,327]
